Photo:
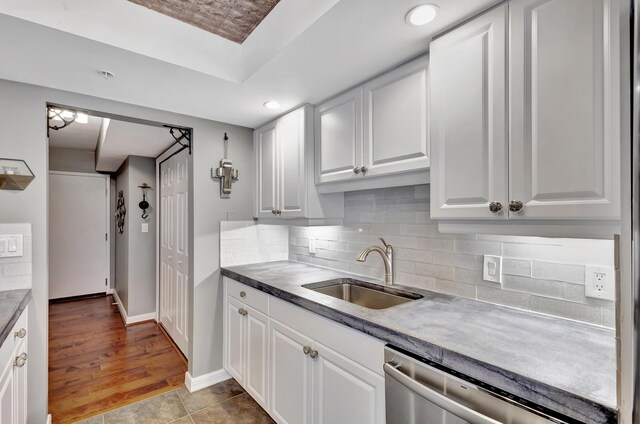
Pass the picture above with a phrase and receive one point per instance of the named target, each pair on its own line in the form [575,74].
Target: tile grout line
[185,407]
[217,403]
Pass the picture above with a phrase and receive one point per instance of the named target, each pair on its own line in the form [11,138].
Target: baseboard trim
[110,291]
[49,419]
[128,320]
[194,384]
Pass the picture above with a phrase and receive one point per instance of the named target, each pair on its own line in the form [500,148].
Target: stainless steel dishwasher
[418,391]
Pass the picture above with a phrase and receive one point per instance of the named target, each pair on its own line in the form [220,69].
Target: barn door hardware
[182,136]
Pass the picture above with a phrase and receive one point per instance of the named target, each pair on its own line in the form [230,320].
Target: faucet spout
[387,259]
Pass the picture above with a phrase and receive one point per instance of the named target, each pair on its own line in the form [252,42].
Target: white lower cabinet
[301,368]
[13,374]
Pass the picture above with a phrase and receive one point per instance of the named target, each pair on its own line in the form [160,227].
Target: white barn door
[174,251]
[78,228]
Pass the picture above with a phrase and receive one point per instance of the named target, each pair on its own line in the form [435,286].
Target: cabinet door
[395,121]
[257,339]
[236,337]
[20,385]
[290,376]
[468,119]
[339,137]
[291,151]
[564,108]
[345,392]
[8,412]
[265,142]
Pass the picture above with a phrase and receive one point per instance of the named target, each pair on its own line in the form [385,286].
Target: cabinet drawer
[12,344]
[248,295]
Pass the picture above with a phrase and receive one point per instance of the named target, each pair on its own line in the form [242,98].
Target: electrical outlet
[312,245]
[600,282]
[492,269]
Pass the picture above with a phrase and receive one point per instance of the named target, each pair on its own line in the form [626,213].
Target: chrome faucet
[387,259]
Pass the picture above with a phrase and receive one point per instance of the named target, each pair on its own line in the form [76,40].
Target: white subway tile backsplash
[540,274]
[244,242]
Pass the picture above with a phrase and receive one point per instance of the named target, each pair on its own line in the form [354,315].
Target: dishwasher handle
[439,399]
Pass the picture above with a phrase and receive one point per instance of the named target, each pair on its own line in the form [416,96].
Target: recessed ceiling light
[422,15]
[106,74]
[271,104]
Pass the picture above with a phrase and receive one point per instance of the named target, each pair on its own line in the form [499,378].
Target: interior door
[78,229]
[469,119]
[339,137]
[564,109]
[174,248]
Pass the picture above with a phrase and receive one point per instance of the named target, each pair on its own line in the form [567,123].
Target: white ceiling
[76,136]
[303,52]
[125,139]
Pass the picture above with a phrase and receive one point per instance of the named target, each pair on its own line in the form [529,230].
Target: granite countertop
[560,364]
[12,303]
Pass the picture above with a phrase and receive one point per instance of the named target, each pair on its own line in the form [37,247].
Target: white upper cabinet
[285,185]
[560,157]
[395,121]
[468,119]
[564,109]
[375,130]
[339,137]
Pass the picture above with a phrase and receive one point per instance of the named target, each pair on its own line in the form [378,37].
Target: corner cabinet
[547,144]
[301,368]
[376,134]
[13,374]
[284,163]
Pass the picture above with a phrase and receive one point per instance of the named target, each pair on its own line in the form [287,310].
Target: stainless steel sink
[365,294]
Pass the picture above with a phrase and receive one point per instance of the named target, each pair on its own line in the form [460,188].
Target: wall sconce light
[15,174]
[144,205]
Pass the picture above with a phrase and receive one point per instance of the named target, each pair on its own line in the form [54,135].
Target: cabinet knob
[306,350]
[313,354]
[20,360]
[364,169]
[356,170]
[243,294]
[516,205]
[20,333]
[279,212]
[242,311]
[273,212]
[495,207]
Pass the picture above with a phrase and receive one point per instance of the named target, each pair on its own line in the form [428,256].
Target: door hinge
[106,282]
[106,236]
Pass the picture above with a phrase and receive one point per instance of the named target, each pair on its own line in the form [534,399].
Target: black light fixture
[144,205]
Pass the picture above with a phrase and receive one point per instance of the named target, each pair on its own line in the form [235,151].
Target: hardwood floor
[96,364]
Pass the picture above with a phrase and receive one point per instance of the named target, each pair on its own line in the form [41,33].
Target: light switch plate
[600,282]
[11,245]
[492,269]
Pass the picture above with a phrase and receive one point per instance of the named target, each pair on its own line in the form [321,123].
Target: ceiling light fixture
[106,74]
[271,104]
[422,15]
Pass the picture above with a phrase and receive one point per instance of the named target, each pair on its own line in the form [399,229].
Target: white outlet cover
[145,227]
[492,269]
[312,245]
[600,288]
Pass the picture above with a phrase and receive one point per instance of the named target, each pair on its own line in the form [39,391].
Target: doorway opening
[118,262]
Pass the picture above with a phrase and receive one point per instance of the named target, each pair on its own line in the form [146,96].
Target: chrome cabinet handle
[516,205]
[306,350]
[243,294]
[313,354]
[242,311]
[356,170]
[20,333]
[495,207]
[20,360]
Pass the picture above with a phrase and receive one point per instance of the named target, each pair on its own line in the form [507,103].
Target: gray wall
[121,285]
[72,160]
[135,250]
[23,134]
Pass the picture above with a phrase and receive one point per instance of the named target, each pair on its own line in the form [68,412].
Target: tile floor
[224,403]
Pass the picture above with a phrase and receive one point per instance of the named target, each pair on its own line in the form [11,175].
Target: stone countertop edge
[556,399]
[12,304]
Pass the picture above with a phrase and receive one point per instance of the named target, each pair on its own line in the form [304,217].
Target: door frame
[107,181]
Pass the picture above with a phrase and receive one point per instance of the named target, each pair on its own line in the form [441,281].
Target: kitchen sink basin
[369,295]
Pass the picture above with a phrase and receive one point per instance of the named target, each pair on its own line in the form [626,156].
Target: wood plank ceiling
[231,19]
